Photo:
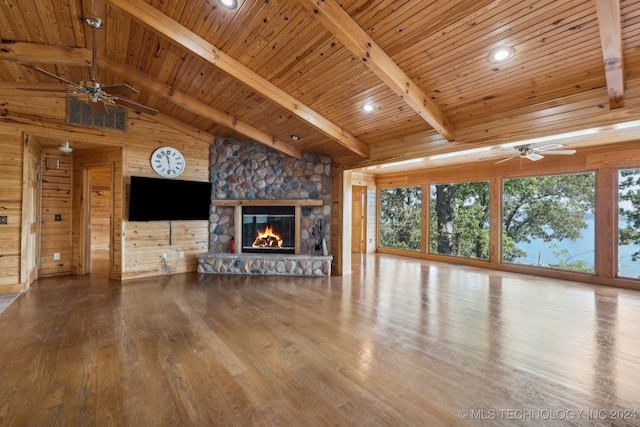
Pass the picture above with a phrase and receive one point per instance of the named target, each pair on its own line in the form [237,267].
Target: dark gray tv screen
[156,199]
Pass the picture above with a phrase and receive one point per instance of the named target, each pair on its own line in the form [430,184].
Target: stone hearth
[275,264]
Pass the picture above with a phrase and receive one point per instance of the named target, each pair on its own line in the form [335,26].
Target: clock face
[167,162]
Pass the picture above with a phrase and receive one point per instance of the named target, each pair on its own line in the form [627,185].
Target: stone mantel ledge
[265,264]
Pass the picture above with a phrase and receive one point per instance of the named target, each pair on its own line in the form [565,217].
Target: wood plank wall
[136,247]
[145,243]
[56,218]
[11,148]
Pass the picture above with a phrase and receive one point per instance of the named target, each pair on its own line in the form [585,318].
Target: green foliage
[629,197]
[547,208]
[565,262]
[401,218]
[460,219]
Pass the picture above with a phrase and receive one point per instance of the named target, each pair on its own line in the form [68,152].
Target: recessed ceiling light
[368,107]
[231,4]
[295,137]
[502,53]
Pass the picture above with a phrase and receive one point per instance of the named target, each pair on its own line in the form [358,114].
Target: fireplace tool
[318,233]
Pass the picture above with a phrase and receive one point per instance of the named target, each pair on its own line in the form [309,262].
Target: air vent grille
[79,113]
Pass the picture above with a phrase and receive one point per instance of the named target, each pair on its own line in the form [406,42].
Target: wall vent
[79,113]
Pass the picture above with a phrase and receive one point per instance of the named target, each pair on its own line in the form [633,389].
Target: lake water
[579,249]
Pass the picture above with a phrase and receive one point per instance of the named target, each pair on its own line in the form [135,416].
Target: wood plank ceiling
[275,68]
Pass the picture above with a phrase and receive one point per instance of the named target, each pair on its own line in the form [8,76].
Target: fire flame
[267,239]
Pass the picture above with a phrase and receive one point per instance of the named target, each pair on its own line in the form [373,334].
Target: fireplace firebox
[268,229]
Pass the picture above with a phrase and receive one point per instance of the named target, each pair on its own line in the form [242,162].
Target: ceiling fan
[97,94]
[535,154]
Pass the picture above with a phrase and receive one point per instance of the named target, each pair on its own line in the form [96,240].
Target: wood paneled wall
[136,249]
[56,218]
[11,178]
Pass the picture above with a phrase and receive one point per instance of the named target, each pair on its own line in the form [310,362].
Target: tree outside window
[629,223]
[459,219]
[548,221]
[401,218]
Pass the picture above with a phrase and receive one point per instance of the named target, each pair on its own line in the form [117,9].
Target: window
[548,221]
[401,218]
[460,219]
[629,223]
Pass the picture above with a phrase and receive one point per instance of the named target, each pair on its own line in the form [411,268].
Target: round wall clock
[167,162]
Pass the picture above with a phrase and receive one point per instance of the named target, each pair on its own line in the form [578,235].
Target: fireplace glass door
[268,229]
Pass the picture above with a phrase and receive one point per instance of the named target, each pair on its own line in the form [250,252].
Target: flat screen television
[155,199]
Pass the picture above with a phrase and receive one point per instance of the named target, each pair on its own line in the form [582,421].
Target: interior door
[31,207]
[358,228]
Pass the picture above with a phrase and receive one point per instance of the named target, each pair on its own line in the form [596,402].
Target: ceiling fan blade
[135,106]
[51,75]
[506,158]
[119,89]
[561,152]
[534,156]
[98,107]
[547,147]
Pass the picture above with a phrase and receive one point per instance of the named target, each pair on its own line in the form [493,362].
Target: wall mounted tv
[155,199]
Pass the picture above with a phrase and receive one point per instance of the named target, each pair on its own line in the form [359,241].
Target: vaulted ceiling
[271,69]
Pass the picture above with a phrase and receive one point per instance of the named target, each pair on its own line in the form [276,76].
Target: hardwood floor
[7,299]
[401,342]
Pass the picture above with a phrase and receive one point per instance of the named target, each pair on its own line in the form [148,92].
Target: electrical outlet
[56,256]
[181,255]
[164,256]
[3,219]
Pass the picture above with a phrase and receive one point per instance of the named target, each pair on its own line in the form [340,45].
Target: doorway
[358,215]
[100,217]
[31,212]
[96,219]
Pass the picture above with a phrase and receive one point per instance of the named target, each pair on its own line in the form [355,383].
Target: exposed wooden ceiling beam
[162,24]
[31,52]
[189,103]
[333,17]
[610,23]
[20,89]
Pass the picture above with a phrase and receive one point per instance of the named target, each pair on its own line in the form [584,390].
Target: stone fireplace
[255,187]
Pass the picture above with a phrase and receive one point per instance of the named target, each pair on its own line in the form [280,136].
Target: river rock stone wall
[243,170]
[274,264]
